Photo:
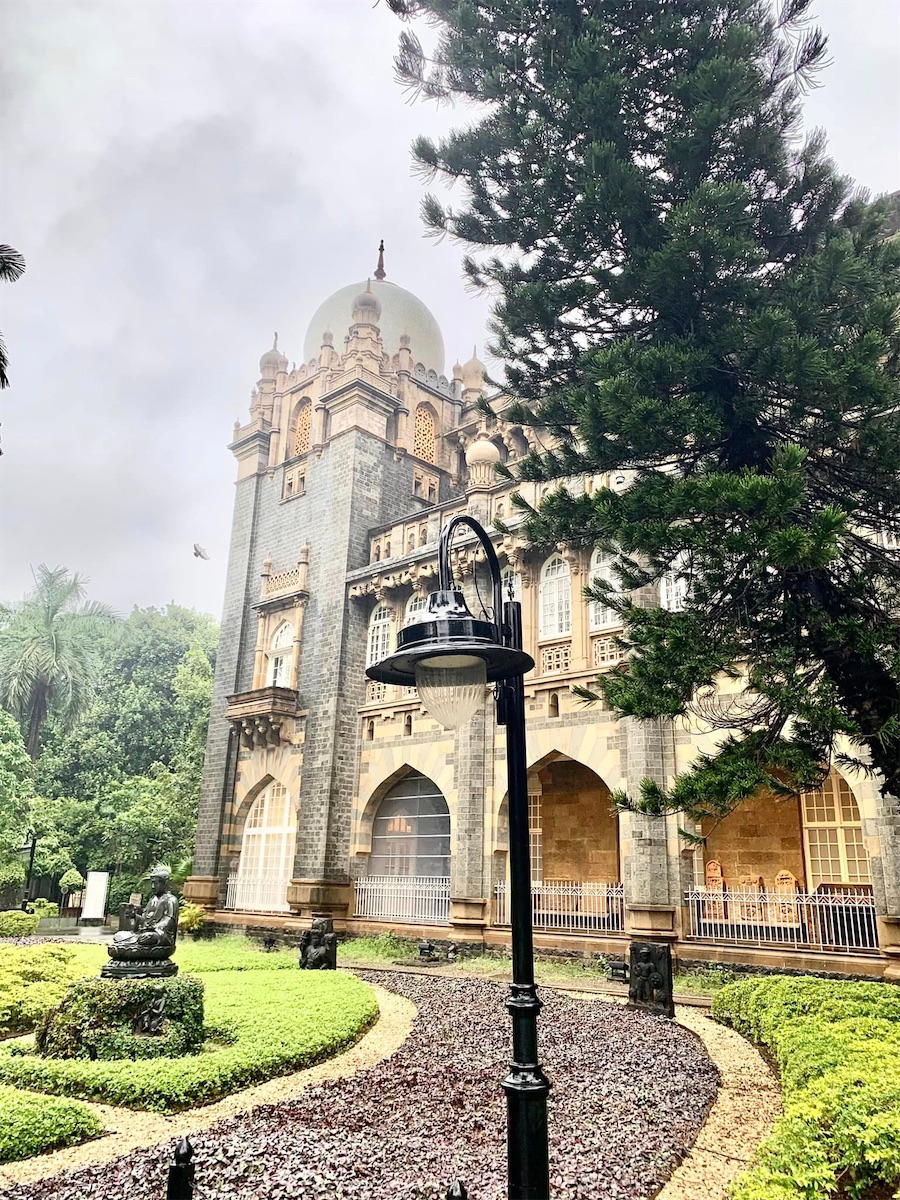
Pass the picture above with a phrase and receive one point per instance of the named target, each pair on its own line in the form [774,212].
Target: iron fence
[569,906]
[418,899]
[835,920]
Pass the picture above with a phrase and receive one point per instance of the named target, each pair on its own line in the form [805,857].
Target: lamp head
[450,656]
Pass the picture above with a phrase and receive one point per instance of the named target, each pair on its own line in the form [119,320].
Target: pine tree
[688,293]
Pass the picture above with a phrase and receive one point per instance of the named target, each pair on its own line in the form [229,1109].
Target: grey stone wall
[229,661]
[648,874]
[472,769]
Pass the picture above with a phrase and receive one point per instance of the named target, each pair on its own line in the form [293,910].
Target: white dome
[401,312]
[482,450]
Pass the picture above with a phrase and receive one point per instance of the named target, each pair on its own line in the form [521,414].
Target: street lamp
[29,848]
[449,656]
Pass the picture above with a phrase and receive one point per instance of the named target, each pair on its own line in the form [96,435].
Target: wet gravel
[629,1094]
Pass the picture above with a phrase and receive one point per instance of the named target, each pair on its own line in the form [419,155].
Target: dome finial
[379,270]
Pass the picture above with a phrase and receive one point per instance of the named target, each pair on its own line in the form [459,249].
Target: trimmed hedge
[257,1026]
[96,1019]
[33,979]
[837,1045]
[32,1124]
[14,923]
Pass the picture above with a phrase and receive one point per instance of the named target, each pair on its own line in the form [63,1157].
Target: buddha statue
[146,949]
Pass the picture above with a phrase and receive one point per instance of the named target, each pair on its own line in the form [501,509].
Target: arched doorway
[408,876]
[574,845]
[268,846]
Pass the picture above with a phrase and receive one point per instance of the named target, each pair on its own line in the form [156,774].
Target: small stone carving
[153,1017]
[318,946]
[650,986]
[146,949]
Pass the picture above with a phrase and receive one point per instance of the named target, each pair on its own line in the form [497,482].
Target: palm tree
[12,264]
[49,654]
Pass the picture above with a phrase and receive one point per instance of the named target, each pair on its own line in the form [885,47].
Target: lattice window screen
[423,441]
[304,424]
[555,658]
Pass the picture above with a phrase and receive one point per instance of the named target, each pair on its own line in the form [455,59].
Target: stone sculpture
[152,1019]
[318,946]
[145,951]
[650,985]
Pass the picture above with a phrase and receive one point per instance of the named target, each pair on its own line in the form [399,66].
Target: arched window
[302,430]
[553,704]
[411,831]
[370,731]
[281,649]
[673,586]
[511,578]
[555,598]
[601,615]
[268,846]
[423,437]
[415,606]
[832,835]
[379,643]
[407,725]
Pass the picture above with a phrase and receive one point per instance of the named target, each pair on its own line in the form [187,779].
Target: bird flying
[199,552]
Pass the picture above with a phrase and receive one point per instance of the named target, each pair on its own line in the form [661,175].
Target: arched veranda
[574,844]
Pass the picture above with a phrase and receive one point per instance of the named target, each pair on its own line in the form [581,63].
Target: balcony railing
[797,920]
[418,899]
[266,892]
[569,907]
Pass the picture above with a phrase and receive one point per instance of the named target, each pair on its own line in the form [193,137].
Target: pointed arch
[301,428]
[833,842]
[425,433]
[267,843]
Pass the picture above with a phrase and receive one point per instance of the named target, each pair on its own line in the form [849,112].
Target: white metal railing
[801,920]
[414,898]
[264,892]
[569,907]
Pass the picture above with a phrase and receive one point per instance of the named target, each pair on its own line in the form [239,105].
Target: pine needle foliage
[688,292]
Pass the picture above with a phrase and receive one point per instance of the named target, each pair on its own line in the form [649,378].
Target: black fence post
[180,1185]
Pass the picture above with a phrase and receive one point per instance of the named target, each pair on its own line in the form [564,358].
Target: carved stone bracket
[263,716]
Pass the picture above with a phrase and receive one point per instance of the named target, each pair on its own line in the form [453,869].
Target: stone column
[473,755]
[885,867]
[651,884]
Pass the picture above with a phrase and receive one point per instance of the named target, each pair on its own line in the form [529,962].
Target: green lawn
[264,1017]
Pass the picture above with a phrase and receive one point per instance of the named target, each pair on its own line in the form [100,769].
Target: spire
[379,270]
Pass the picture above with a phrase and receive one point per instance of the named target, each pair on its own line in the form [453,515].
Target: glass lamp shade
[451,687]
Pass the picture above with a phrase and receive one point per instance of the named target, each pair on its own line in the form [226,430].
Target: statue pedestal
[139,968]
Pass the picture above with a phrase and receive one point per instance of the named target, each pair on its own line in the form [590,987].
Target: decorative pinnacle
[379,270]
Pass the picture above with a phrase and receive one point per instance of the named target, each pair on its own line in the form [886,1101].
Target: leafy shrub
[15,923]
[257,1027]
[34,978]
[837,1045]
[12,875]
[120,888]
[44,908]
[96,1019]
[382,947]
[191,918]
[31,1124]
[72,881]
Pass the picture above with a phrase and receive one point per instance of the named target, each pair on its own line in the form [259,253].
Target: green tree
[12,266]
[688,293]
[16,788]
[48,660]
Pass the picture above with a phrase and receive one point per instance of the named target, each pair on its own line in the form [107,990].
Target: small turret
[272,362]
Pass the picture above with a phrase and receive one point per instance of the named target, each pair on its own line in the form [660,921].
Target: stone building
[325,792]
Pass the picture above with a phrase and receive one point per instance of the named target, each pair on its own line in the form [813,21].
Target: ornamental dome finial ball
[273,360]
[366,306]
[473,373]
[482,450]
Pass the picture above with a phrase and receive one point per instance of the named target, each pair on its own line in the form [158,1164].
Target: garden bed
[837,1045]
[629,1094]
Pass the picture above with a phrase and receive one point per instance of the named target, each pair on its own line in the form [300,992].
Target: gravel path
[630,1093]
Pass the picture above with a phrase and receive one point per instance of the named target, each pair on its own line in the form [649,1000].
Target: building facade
[324,792]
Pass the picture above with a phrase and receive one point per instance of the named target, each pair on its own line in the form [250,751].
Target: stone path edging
[745,1108]
[131,1129]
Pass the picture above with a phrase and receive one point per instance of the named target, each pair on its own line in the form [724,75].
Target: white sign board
[95,889]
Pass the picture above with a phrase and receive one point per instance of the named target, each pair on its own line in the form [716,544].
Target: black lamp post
[449,656]
[29,848]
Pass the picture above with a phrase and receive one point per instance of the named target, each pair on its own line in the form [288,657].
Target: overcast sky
[183,178]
